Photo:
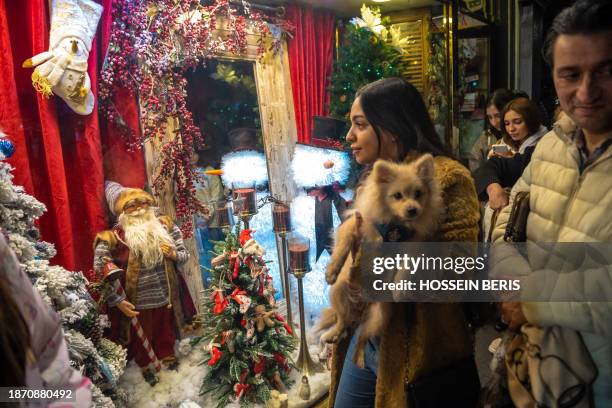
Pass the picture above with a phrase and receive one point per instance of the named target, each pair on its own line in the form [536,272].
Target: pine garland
[248,354]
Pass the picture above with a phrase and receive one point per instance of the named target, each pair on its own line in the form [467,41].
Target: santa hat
[118,196]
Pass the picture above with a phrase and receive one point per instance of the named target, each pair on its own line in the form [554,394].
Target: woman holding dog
[426,341]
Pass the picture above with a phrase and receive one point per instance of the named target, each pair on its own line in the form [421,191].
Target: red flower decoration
[220,302]
[216,355]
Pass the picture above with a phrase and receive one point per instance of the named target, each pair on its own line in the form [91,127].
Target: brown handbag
[516,229]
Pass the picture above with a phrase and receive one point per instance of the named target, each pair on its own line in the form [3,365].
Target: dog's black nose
[411,212]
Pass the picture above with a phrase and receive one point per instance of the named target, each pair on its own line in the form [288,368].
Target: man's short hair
[584,17]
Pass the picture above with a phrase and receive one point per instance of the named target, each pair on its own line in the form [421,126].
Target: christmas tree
[249,342]
[367,54]
[98,358]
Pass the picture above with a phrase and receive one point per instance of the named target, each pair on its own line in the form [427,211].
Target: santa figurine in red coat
[149,249]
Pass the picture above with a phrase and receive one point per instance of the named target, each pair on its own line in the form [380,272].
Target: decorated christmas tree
[248,341]
[368,53]
[98,358]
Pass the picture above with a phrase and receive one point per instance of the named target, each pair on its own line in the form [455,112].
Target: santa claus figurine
[149,249]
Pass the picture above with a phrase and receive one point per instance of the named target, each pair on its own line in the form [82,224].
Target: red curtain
[60,156]
[310,62]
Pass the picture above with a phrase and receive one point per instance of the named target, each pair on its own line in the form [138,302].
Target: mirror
[223,99]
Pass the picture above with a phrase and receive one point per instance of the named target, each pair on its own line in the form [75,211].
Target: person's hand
[168,251]
[498,198]
[128,309]
[512,314]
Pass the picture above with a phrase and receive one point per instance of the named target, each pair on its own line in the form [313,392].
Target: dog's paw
[331,276]
[331,337]
[359,357]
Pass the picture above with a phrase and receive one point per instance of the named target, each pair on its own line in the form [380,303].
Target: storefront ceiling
[347,8]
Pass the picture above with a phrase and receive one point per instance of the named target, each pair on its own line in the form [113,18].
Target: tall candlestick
[281,217]
[298,257]
[299,266]
[250,200]
[282,226]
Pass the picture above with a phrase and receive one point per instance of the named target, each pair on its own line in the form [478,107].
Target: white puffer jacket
[569,206]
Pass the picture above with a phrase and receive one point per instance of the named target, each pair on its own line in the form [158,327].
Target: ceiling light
[380,1]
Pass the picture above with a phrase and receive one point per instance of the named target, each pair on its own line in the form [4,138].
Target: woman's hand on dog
[344,246]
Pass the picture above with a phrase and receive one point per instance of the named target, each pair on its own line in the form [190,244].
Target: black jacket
[502,170]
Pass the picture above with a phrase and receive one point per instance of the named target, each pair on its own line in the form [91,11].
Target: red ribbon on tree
[236,266]
[282,361]
[285,325]
[216,355]
[243,375]
[260,366]
[220,302]
[225,335]
[236,293]
[241,389]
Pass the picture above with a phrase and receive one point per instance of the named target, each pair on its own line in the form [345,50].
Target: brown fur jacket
[424,336]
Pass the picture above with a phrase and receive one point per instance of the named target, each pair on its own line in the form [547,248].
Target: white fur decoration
[308,169]
[244,167]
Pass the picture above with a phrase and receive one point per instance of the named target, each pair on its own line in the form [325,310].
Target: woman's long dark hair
[396,107]
[14,340]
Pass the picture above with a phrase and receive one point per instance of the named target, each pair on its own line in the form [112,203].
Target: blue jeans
[357,387]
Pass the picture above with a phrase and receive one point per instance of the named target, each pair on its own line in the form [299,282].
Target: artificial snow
[180,389]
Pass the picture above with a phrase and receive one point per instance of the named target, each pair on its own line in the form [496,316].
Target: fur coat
[424,336]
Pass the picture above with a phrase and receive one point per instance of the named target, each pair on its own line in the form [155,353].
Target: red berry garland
[152,43]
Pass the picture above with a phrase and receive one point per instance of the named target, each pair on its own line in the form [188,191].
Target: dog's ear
[383,172]
[425,167]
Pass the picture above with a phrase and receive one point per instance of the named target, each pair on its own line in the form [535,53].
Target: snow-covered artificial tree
[249,342]
[97,358]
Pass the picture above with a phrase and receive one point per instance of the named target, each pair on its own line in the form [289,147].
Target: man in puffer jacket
[570,183]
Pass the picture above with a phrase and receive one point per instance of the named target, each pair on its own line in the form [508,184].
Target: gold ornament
[304,390]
